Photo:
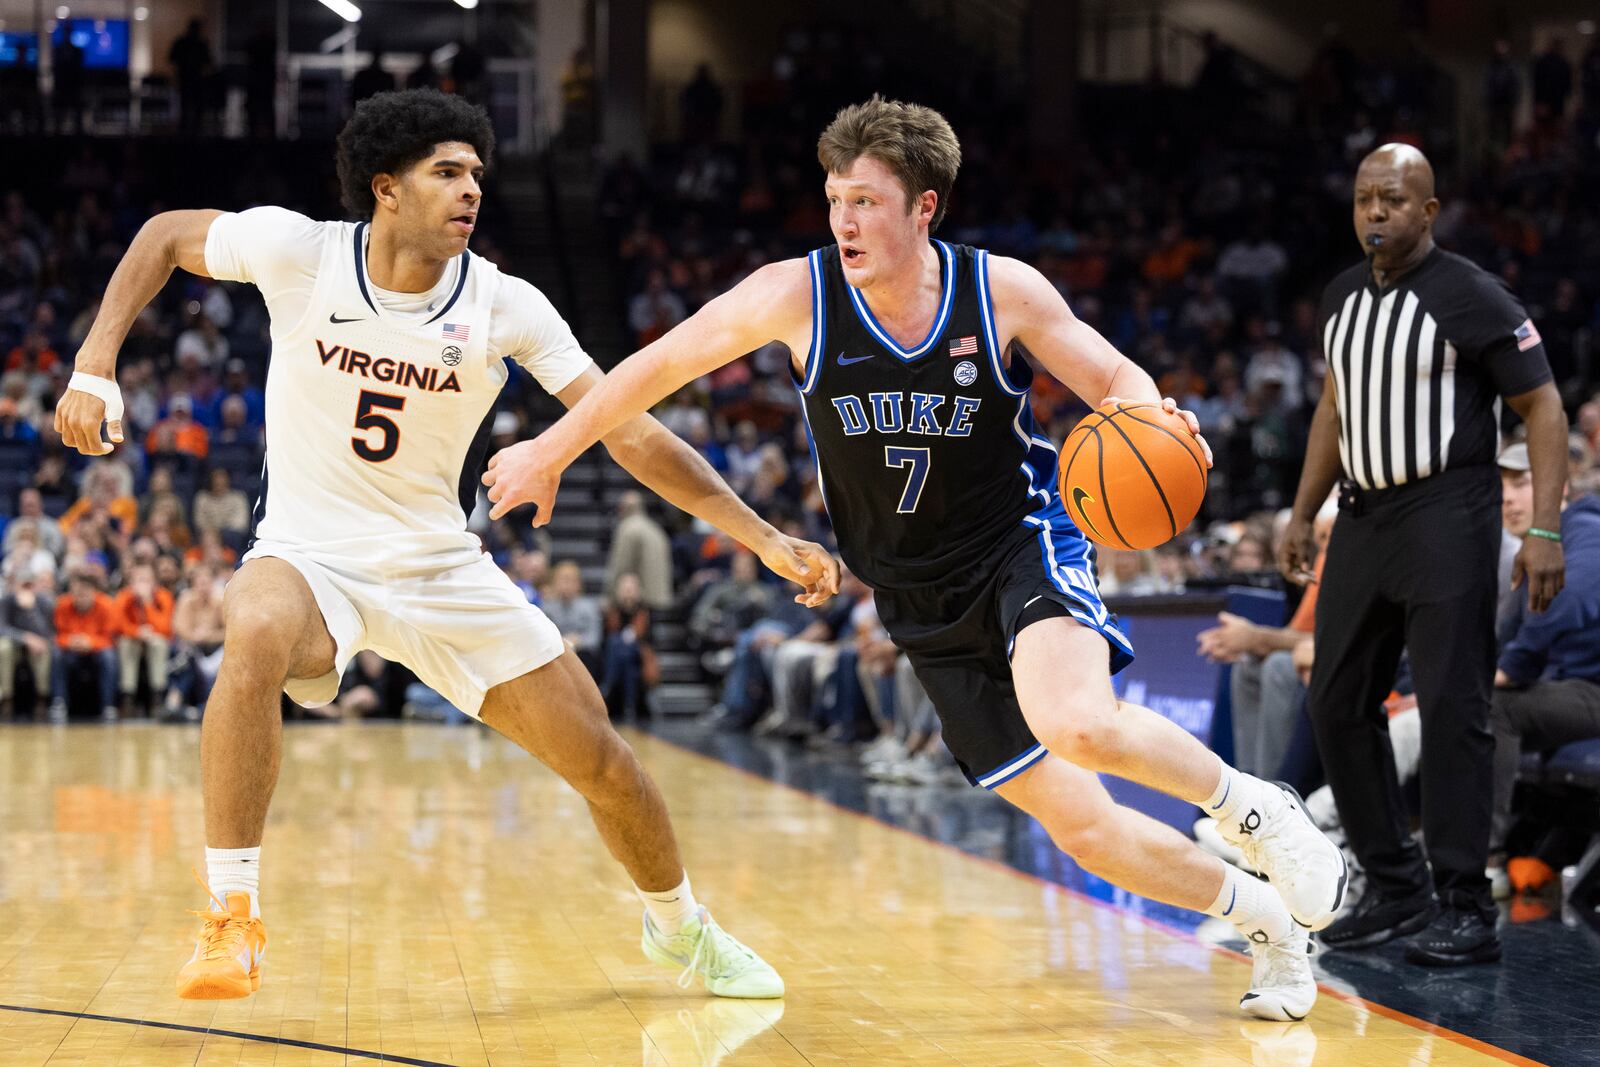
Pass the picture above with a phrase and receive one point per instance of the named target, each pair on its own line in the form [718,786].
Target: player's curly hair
[391,131]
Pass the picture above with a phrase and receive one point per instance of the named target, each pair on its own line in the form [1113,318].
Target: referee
[1421,345]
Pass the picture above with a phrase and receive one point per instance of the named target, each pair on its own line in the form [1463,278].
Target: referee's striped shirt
[1418,367]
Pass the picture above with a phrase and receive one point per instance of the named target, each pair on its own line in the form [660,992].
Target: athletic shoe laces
[1287,961]
[223,931]
[717,952]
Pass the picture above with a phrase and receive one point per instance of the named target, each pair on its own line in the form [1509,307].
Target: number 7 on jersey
[917,459]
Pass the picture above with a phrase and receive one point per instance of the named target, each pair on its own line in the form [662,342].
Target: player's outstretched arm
[774,303]
[170,239]
[1028,309]
[669,466]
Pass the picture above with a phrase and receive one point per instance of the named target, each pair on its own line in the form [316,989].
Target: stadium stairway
[558,244]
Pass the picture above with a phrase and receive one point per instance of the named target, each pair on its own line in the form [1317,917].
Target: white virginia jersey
[378,404]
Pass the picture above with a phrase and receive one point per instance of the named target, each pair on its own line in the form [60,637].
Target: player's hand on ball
[520,474]
[805,563]
[1170,406]
[78,419]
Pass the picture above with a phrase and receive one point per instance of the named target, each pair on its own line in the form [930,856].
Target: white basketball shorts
[463,628]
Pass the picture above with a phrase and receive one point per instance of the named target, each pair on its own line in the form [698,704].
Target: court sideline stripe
[1504,1055]
[211,1031]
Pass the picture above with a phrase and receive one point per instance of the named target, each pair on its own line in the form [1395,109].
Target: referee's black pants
[1412,567]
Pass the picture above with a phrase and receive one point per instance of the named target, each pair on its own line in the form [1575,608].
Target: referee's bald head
[1395,206]
[1403,160]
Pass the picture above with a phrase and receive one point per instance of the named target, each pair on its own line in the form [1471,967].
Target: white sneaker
[1281,985]
[884,749]
[1210,839]
[1280,840]
[729,968]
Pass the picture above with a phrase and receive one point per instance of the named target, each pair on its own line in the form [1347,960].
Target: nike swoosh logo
[1078,497]
[336,319]
[845,362]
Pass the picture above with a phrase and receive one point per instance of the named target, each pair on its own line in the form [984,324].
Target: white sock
[235,870]
[670,909]
[1235,789]
[1253,906]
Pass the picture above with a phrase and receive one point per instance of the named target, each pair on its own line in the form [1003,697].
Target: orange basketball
[1132,477]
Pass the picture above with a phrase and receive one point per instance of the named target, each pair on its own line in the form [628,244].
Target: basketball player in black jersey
[944,500]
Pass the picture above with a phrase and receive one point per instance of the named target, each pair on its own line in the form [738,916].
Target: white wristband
[103,388]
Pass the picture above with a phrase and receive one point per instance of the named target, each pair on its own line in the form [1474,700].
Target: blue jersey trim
[811,441]
[819,323]
[986,309]
[940,322]
[1013,767]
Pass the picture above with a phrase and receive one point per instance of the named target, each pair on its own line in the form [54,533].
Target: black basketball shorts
[959,636]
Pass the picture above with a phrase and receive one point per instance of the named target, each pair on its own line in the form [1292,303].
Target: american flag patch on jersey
[456,332]
[966,346]
[1527,335]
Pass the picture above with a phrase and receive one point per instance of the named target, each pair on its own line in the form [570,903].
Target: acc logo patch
[966,372]
[451,355]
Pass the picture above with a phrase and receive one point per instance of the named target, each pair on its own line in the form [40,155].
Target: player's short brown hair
[913,141]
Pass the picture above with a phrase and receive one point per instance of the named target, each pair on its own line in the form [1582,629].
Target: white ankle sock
[1253,906]
[235,870]
[670,909]
[1234,790]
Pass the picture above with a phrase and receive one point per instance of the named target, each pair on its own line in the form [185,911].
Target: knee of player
[1082,731]
[259,632]
[610,770]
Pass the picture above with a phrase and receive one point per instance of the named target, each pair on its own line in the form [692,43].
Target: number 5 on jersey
[367,419]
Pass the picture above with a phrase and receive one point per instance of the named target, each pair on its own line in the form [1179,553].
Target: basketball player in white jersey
[387,346]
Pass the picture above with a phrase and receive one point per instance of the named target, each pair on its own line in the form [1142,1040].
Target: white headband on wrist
[104,388]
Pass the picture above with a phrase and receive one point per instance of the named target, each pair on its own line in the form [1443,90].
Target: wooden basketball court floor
[433,896]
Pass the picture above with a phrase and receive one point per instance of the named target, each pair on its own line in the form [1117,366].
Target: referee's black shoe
[1377,918]
[1462,933]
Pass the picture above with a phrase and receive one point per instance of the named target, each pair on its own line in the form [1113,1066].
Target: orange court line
[1398,1016]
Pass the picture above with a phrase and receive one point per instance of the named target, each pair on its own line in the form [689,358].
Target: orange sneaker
[226,964]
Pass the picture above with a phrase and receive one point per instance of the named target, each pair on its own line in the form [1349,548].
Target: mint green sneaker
[702,947]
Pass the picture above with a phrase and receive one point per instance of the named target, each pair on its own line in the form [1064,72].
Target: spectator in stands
[178,434]
[236,427]
[1547,685]
[197,632]
[210,549]
[732,605]
[800,664]
[575,615]
[1272,362]
[655,311]
[27,636]
[159,494]
[1502,90]
[1552,81]
[219,507]
[629,669]
[107,488]
[1251,268]
[203,344]
[529,569]
[700,107]
[236,384]
[86,627]
[31,516]
[144,616]
[1267,694]
[191,61]
[25,555]
[18,437]
[371,79]
[640,547]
